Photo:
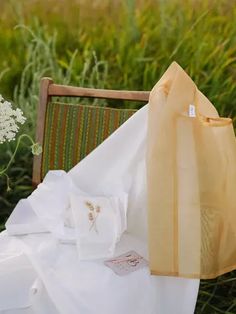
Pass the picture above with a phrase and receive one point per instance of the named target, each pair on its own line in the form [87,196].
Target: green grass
[119,45]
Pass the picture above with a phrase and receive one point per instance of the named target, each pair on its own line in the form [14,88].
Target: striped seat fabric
[73,131]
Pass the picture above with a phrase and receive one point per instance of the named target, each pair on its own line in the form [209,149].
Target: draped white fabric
[40,271]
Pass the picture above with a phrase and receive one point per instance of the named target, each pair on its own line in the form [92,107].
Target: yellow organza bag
[191,181]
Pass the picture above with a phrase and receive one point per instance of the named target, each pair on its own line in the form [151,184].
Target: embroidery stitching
[93,214]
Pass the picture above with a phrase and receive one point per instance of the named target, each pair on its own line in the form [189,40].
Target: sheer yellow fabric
[191,182]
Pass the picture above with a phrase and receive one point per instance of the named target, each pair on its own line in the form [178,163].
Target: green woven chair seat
[73,131]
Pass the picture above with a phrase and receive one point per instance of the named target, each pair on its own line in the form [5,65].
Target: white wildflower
[9,121]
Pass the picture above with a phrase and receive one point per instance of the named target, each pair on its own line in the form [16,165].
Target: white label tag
[191,111]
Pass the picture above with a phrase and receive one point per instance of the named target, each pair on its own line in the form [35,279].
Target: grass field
[119,45]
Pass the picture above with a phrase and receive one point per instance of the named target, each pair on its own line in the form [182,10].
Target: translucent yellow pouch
[191,181]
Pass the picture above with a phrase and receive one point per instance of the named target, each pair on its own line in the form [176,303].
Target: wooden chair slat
[71,91]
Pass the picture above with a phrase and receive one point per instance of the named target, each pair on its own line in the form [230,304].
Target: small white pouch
[99,222]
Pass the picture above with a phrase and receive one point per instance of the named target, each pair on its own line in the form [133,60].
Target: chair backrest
[68,132]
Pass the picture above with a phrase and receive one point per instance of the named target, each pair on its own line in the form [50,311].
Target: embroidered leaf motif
[93,214]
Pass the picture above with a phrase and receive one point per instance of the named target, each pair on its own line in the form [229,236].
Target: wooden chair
[68,132]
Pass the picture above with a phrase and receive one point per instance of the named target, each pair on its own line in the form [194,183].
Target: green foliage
[118,45]
[133,48]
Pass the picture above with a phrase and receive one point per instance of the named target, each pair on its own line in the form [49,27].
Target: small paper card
[126,263]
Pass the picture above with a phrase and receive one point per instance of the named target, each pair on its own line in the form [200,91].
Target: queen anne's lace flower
[9,121]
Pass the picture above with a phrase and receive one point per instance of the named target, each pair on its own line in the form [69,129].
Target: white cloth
[99,223]
[69,285]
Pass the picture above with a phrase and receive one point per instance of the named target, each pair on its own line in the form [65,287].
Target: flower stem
[94,224]
[4,170]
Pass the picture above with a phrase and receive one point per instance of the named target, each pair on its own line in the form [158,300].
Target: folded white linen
[16,278]
[116,166]
[99,223]
[50,200]
[90,287]
[21,289]
[48,209]
[24,220]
